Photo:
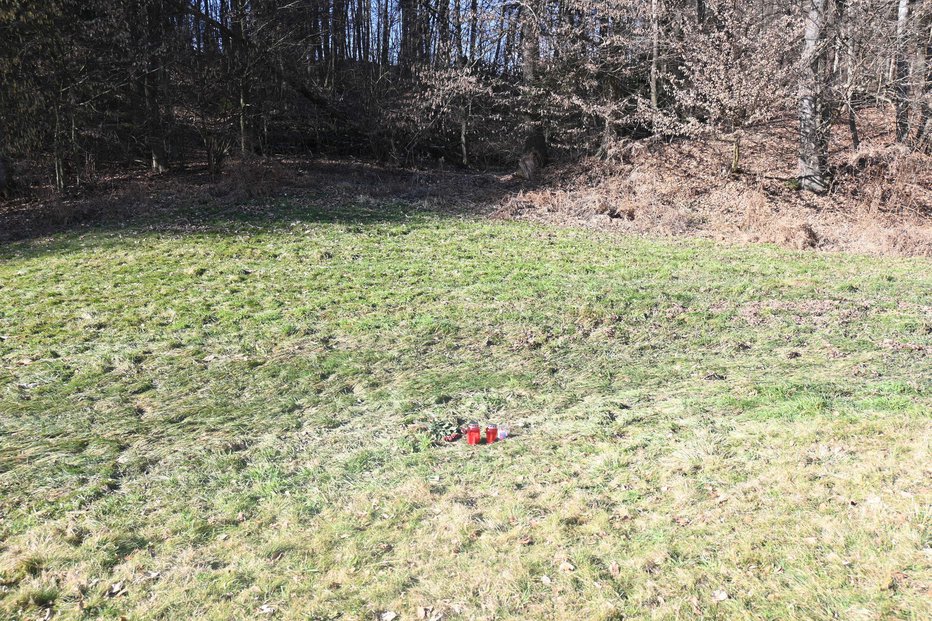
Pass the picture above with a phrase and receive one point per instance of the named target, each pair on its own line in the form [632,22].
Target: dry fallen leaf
[897,580]
[719,595]
[388,616]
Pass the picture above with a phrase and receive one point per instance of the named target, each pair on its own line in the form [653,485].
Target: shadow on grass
[262,192]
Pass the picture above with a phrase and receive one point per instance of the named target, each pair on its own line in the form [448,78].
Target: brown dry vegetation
[880,203]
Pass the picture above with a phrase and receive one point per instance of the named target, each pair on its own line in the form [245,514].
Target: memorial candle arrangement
[474,435]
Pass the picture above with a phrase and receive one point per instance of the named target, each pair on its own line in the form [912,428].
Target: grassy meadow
[223,418]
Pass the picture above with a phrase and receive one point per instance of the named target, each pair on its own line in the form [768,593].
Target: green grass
[218,420]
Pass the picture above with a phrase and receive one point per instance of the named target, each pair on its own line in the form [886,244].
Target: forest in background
[92,85]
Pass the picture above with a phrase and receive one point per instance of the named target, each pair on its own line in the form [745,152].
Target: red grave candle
[491,434]
[473,433]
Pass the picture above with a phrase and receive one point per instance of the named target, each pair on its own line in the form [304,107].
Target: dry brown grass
[249,179]
[881,202]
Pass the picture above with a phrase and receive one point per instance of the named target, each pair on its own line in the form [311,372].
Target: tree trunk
[853,129]
[535,154]
[338,33]
[654,50]
[152,83]
[813,125]
[458,32]
[474,29]
[6,177]
[407,47]
[530,40]
[443,34]
[901,72]
[241,58]
[850,77]
[386,32]
[464,125]
[924,71]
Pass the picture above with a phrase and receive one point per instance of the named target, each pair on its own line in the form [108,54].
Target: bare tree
[148,81]
[923,138]
[813,109]
[901,71]
[654,51]
[535,153]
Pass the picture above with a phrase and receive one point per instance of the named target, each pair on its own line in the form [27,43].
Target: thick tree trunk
[534,155]
[901,72]
[458,32]
[530,46]
[813,122]
[443,34]
[407,48]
